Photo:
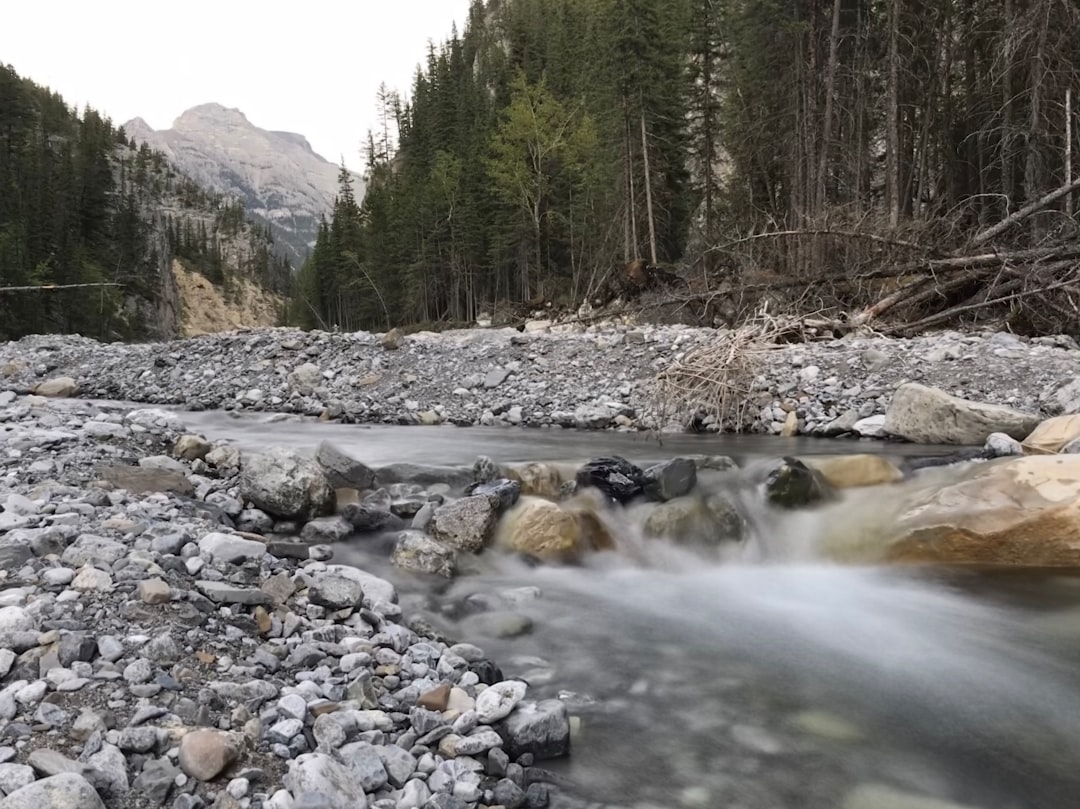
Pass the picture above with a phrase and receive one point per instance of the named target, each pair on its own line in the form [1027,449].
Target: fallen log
[1024,213]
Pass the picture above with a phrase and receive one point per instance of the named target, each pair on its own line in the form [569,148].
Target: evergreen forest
[802,149]
[89,223]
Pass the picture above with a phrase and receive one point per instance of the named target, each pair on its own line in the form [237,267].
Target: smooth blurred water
[759,678]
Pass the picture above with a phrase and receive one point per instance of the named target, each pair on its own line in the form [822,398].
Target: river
[755,683]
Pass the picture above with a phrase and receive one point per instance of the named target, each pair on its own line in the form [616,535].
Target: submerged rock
[850,471]
[790,483]
[670,479]
[541,529]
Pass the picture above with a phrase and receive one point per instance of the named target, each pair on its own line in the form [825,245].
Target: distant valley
[277,175]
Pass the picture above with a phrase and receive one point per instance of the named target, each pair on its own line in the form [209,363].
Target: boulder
[925,415]
[191,447]
[706,520]
[204,754]
[342,470]
[1052,435]
[540,479]
[850,471]
[541,529]
[286,484]
[61,386]
[67,790]
[392,340]
[999,445]
[369,519]
[305,378]
[790,483]
[1004,512]
[420,553]
[541,728]
[466,524]
[616,477]
[505,490]
[670,479]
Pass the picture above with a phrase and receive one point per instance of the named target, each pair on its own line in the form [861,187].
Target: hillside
[282,182]
[850,160]
[90,226]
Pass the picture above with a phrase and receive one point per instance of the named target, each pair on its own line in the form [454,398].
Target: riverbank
[596,378]
[151,655]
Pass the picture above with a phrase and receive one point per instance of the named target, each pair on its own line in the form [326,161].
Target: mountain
[278,176]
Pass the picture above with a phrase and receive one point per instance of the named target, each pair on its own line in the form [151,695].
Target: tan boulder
[392,340]
[849,471]
[1053,435]
[191,447]
[204,754]
[540,528]
[61,386]
[539,479]
[1020,511]
[791,425]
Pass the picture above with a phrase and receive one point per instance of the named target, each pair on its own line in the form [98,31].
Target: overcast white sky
[307,66]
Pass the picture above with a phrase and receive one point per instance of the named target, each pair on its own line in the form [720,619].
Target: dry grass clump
[717,378]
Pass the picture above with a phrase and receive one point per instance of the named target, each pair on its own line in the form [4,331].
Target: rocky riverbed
[595,378]
[150,655]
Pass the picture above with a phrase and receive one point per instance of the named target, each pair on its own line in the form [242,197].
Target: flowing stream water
[766,680]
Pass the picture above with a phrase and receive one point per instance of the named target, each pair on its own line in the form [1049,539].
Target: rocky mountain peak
[211,115]
[280,178]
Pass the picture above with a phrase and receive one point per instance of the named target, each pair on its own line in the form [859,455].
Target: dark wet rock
[670,479]
[367,518]
[507,491]
[540,728]
[790,484]
[343,470]
[614,476]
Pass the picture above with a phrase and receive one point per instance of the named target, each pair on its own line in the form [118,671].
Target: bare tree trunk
[1006,112]
[1032,169]
[827,122]
[648,190]
[1068,149]
[632,201]
[892,120]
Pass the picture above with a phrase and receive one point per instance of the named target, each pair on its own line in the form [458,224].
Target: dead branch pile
[716,379]
[902,282]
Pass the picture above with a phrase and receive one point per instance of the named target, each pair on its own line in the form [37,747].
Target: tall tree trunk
[1007,56]
[631,202]
[648,190]
[1033,167]
[1068,149]
[827,119]
[892,119]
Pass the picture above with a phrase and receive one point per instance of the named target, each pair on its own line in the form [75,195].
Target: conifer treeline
[554,139]
[80,204]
